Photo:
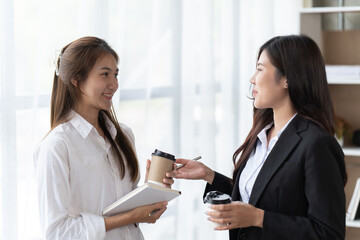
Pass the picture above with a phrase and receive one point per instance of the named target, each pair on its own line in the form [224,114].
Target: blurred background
[184,78]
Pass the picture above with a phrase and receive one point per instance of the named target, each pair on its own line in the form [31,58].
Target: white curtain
[184,78]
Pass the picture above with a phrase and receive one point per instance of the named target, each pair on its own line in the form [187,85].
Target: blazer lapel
[285,144]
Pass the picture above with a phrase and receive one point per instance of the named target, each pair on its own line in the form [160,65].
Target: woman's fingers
[156,211]
[236,215]
[168,182]
[148,162]
[225,227]
[182,161]
[220,220]
[224,207]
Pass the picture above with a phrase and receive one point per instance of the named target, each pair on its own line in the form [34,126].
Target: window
[180,90]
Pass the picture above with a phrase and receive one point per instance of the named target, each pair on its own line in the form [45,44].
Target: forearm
[119,220]
[73,227]
[219,183]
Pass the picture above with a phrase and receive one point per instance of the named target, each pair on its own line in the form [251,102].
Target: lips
[254,93]
[108,96]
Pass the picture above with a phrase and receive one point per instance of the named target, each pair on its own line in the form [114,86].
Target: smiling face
[100,86]
[269,88]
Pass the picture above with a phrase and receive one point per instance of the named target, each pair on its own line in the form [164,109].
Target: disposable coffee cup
[161,163]
[215,198]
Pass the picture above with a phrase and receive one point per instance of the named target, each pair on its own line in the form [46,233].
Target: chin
[105,108]
[259,106]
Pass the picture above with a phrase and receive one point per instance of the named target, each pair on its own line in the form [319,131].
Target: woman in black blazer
[289,176]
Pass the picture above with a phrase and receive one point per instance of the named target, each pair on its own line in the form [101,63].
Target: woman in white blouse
[87,161]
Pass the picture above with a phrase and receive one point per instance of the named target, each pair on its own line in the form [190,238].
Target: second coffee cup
[214,198]
[161,163]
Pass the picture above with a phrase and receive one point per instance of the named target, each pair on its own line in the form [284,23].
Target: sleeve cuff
[220,183]
[95,226]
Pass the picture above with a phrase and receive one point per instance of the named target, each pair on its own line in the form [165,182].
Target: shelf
[340,80]
[352,151]
[330,9]
[353,223]
[343,74]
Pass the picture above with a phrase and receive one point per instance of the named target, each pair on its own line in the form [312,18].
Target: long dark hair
[299,59]
[75,62]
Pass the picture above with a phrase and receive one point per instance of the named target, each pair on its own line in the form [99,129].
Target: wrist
[210,175]
[259,217]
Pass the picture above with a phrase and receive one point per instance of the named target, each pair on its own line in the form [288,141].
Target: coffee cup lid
[216,197]
[163,154]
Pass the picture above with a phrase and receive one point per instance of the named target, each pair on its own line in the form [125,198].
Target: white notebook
[146,194]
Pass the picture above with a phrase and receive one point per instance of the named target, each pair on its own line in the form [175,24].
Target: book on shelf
[146,194]
[353,212]
[343,71]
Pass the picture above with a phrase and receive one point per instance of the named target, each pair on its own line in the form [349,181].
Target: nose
[114,84]
[252,79]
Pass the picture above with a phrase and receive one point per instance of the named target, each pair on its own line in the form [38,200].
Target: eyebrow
[260,64]
[109,69]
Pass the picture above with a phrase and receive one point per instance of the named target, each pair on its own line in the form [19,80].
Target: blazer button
[243,236]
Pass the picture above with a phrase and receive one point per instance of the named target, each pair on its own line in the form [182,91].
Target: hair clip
[57,64]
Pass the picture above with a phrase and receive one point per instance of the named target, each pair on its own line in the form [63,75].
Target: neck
[282,116]
[89,115]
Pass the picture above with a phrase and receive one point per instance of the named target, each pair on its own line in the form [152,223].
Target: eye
[116,75]
[105,74]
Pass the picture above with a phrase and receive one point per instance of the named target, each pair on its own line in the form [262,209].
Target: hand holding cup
[160,164]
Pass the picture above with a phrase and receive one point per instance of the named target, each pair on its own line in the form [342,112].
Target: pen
[182,165]
[155,211]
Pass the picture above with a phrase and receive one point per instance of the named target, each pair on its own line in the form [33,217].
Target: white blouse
[78,177]
[257,160]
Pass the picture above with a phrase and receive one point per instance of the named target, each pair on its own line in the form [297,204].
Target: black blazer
[300,187]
